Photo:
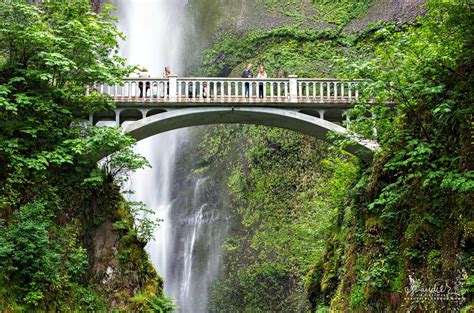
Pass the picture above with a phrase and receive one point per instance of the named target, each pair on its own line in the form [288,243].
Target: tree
[49,54]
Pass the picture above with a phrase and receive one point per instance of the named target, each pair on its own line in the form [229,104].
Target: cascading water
[186,250]
[148,25]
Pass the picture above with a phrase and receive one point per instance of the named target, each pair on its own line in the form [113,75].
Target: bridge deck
[301,102]
[292,92]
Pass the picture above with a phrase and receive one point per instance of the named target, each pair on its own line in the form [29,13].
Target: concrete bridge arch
[267,116]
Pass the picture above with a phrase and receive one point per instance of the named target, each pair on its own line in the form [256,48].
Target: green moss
[357,300]
[340,12]
[306,53]
[435,260]
[398,283]
[151,302]
[373,225]
[469,231]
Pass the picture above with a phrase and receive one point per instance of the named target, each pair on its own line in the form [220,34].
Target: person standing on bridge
[166,74]
[279,73]
[247,73]
[262,75]
[143,74]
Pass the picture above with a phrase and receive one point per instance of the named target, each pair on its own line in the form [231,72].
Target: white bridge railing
[187,89]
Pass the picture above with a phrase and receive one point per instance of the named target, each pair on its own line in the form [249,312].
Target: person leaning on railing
[247,73]
[262,75]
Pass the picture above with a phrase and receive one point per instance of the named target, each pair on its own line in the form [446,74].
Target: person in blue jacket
[247,73]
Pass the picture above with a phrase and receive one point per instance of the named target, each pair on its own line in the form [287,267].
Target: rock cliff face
[210,19]
[399,11]
[243,15]
[119,264]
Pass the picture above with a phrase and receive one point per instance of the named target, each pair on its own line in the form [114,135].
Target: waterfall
[186,250]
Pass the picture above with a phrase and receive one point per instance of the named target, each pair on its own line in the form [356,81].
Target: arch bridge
[149,106]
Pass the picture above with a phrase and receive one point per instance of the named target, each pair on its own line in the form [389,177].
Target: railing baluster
[229,89]
[321,92]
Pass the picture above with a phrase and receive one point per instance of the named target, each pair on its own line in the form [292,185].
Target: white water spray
[154,31]
[186,248]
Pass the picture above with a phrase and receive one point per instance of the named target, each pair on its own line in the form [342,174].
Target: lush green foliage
[52,195]
[286,189]
[408,216]
[306,53]
[407,222]
[338,13]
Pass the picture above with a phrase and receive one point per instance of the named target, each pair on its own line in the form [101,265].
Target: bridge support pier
[117,117]
[374,128]
[321,114]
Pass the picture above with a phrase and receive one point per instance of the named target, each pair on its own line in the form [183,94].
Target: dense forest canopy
[52,195]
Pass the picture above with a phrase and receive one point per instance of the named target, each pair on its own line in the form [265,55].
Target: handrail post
[173,81]
[293,88]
